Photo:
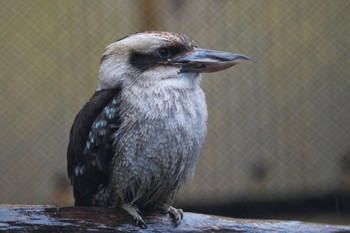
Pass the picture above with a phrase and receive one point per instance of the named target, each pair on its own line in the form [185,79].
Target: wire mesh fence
[279,126]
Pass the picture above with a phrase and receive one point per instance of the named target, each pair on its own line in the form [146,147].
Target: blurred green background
[278,143]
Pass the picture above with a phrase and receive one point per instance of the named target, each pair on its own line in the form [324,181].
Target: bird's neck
[165,98]
[185,81]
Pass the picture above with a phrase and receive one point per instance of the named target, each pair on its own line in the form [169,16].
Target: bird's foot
[135,214]
[177,214]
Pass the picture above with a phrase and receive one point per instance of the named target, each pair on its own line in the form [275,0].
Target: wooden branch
[83,219]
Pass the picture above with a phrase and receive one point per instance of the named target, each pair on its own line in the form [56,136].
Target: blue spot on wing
[110,112]
[100,123]
[102,132]
[103,126]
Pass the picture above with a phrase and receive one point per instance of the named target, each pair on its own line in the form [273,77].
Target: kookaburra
[137,140]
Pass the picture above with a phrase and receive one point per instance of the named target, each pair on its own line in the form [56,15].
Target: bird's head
[160,58]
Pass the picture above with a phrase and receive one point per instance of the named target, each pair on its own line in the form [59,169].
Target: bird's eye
[163,53]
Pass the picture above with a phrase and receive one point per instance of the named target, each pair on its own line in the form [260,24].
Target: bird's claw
[177,214]
[139,222]
[134,212]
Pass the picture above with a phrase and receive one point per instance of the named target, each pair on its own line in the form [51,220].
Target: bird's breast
[161,134]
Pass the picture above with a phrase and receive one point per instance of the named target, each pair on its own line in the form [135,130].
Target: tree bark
[40,218]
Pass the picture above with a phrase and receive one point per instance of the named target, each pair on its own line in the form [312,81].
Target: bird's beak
[206,61]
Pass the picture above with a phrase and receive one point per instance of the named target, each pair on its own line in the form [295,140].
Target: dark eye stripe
[143,61]
[176,50]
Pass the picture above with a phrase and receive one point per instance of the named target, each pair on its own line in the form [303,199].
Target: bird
[137,140]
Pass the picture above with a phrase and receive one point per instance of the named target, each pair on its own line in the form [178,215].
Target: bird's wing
[90,149]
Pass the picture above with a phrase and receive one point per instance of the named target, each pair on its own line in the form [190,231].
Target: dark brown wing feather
[90,149]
